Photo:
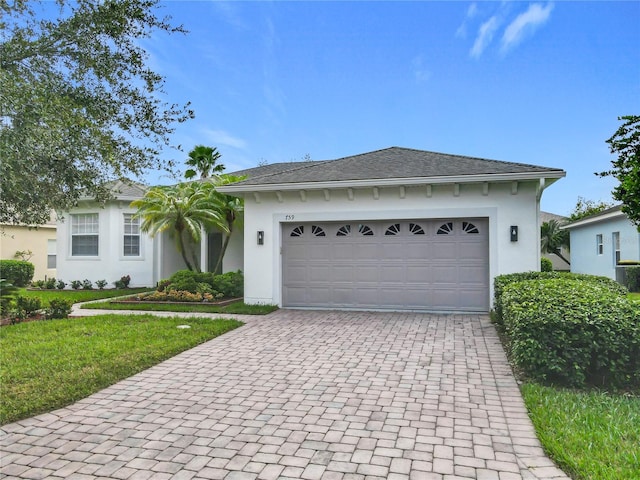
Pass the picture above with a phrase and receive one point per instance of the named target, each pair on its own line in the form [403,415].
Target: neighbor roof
[381,166]
[608,214]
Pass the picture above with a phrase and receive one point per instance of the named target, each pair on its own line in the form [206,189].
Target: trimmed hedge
[227,285]
[572,332]
[546,265]
[500,282]
[17,272]
[633,278]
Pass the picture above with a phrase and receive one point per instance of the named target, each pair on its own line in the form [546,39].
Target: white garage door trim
[423,264]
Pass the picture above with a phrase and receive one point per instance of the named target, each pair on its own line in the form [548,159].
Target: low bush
[501,281]
[633,278]
[76,284]
[58,308]
[228,285]
[87,284]
[61,284]
[178,296]
[8,293]
[17,272]
[27,306]
[546,265]
[50,283]
[123,282]
[101,284]
[572,332]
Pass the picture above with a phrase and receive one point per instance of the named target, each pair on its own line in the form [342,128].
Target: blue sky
[531,82]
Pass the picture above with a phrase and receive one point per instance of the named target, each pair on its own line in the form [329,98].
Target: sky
[540,83]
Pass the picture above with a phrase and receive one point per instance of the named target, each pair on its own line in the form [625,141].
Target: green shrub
[546,265]
[27,306]
[58,308]
[184,285]
[76,284]
[501,281]
[61,284]
[8,291]
[37,284]
[50,283]
[230,284]
[178,296]
[87,284]
[101,284]
[17,272]
[633,278]
[572,332]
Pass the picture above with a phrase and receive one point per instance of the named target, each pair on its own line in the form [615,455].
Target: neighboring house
[104,242]
[600,241]
[40,240]
[558,263]
[391,229]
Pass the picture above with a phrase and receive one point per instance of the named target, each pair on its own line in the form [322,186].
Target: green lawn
[80,295]
[50,364]
[635,296]
[590,435]
[238,308]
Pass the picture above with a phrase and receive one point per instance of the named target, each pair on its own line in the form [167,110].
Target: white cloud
[461,32]
[420,72]
[525,24]
[220,137]
[485,36]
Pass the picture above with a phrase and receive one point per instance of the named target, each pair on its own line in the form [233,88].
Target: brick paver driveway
[303,395]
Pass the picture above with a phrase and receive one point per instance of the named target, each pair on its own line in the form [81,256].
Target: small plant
[101,284]
[76,284]
[7,293]
[50,283]
[58,308]
[24,255]
[37,284]
[61,284]
[87,284]
[27,306]
[546,265]
[123,282]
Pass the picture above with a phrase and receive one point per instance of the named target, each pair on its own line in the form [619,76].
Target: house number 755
[289,217]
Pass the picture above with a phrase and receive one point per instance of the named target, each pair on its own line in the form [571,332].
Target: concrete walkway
[301,395]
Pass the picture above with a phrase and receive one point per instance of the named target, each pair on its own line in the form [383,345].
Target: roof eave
[393,182]
[614,213]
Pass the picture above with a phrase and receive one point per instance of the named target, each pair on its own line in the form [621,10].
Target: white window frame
[599,244]
[51,254]
[131,229]
[615,242]
[82,227]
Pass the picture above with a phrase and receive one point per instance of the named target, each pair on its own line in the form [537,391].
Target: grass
[590,435]
[635,296]
[238,308]
[79,295]
[51,364]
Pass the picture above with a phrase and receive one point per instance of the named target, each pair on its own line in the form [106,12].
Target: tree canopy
[586,208]
[78,104]
[203,160]
[625,143]
[553,239]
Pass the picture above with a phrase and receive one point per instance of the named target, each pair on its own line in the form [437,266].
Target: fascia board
[597,219]
[393,182]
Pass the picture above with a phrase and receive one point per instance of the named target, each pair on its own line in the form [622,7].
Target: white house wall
[234,256]
[110,264]
[584,252]
[504,204]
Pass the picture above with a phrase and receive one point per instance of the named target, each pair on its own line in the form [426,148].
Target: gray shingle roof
[394,162]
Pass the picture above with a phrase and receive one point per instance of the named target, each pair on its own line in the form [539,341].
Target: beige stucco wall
[21,238]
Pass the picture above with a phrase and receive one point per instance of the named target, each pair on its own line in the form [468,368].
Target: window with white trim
[84,235]
[599,244]
[51,253]
[131,239]
[615,240]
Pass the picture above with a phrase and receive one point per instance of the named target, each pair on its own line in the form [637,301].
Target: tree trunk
[557,252]
[180,243]
[225,244]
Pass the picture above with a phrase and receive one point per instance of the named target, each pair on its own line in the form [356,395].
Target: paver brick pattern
[305,395]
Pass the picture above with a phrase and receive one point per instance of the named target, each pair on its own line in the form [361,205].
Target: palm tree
[185,210]
[203,160]
[231,209]
[553,239]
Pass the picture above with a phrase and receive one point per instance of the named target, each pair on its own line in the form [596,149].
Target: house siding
[500,205]
[584,254]
[15,238]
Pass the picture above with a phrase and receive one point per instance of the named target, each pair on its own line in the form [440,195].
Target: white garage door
[440,265]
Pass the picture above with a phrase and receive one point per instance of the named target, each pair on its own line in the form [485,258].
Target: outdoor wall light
[260,237]
[514,233]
